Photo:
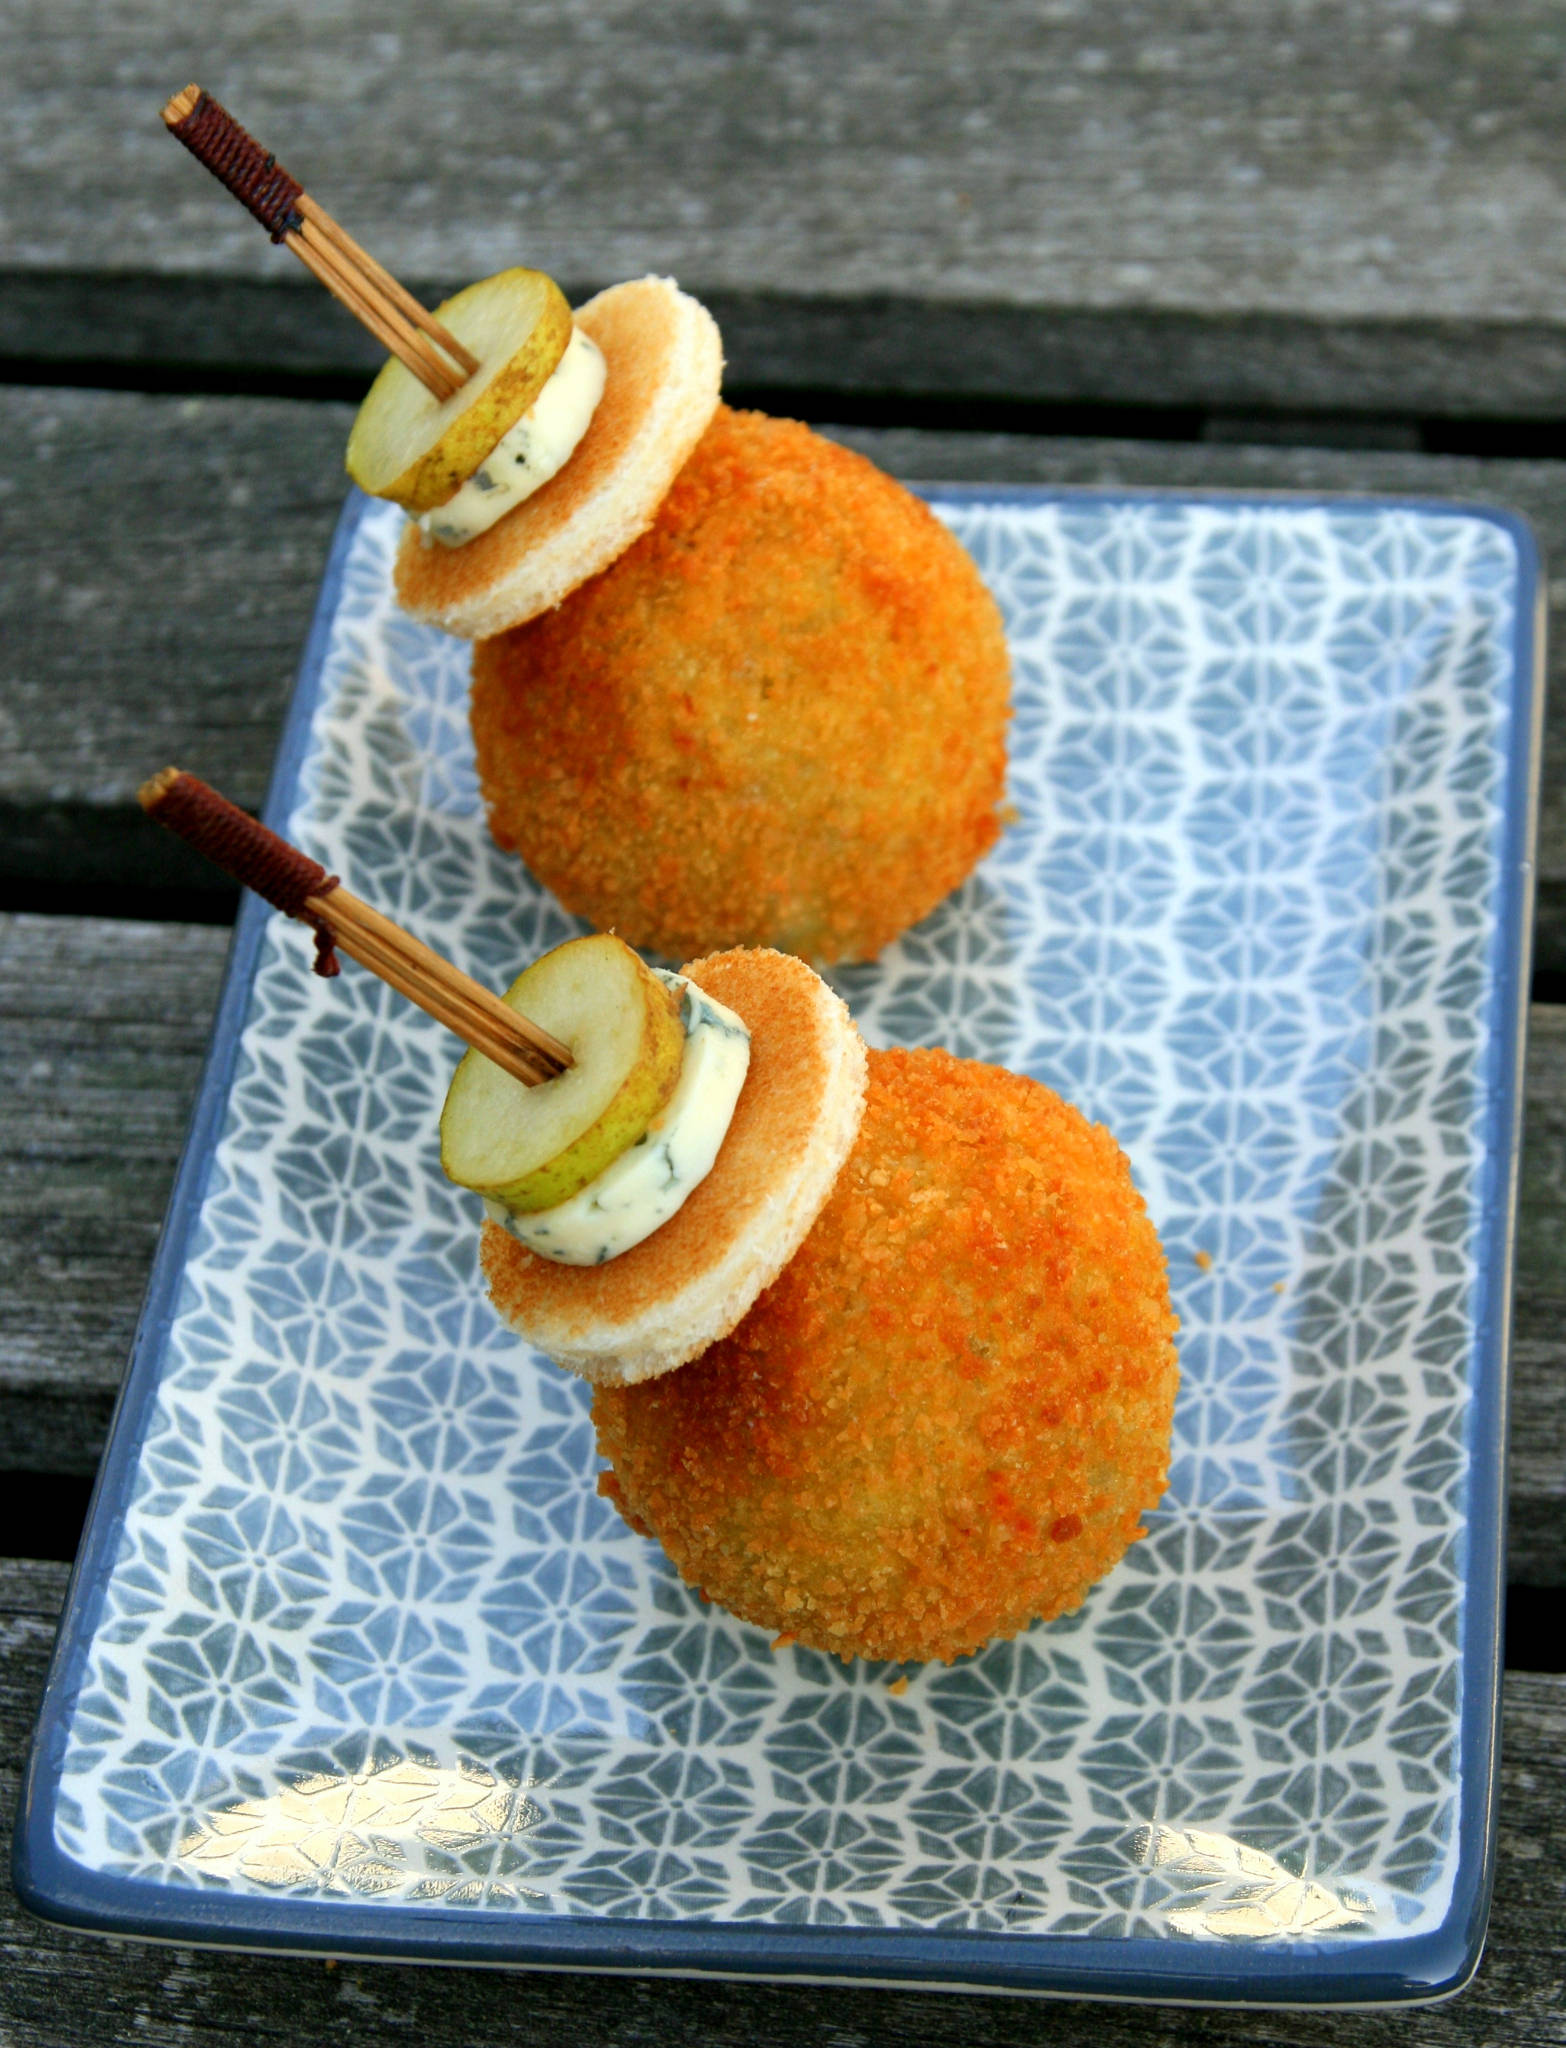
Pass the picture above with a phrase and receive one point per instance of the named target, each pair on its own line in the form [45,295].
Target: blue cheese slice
[647,1184]
[538,447]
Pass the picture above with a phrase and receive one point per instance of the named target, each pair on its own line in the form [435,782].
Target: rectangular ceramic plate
[356,1660]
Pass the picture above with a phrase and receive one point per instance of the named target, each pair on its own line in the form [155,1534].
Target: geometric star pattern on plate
[372,1633]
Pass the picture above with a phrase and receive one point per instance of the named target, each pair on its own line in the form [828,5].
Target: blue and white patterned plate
[357,1660]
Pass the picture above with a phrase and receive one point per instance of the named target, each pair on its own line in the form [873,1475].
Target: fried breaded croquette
[779,719]
[946,1417]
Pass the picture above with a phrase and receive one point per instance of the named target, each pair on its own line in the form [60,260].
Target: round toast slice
[664,362]
[688,1284]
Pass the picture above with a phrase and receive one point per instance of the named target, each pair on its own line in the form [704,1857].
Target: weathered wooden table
[1246,243]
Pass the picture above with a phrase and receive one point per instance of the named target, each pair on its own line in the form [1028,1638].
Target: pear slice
[410,446]
[531,1148]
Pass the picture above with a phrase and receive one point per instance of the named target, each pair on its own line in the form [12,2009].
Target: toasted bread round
[665,366]
[688,1284]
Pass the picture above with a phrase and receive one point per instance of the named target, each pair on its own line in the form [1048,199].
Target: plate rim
[1386,1971]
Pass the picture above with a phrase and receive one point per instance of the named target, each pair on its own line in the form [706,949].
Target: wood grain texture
[62,1990]
[102,1028]
[159,561]
[117,327]
[1536,1544]
[1314,167]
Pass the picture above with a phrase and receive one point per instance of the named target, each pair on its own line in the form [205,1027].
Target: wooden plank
[233,333]
[102,1027]
[1536,1546]
[1328,205]
[63,1990]
[157,577]
[159,559]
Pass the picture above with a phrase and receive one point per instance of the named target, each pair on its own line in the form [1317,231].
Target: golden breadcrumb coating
[946,1417]
[778,720]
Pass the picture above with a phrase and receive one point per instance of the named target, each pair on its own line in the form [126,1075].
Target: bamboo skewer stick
[303,889]
[288,213]
[318,222]
[465,1007]
[394,333]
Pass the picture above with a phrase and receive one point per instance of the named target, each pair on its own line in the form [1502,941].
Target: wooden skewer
[302,888]
[394,334]
[464,1006]
[320,224]
[288,213]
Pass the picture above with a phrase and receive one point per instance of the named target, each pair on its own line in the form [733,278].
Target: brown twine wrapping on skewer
[301,888]
[238,162]
[252,853]
[290,216]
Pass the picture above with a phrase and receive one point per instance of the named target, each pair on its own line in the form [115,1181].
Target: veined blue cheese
[540,445]
[647,1184]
